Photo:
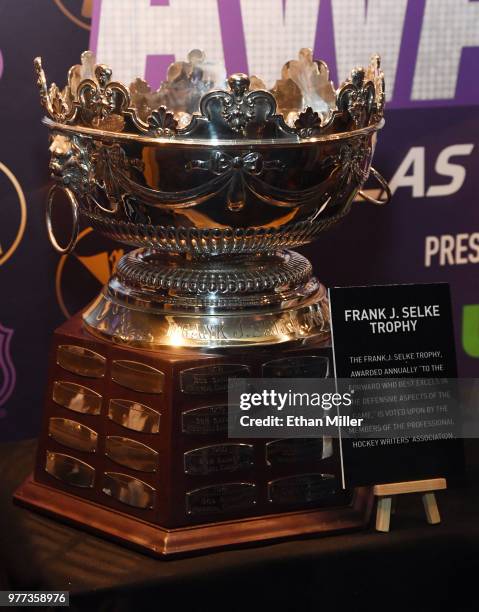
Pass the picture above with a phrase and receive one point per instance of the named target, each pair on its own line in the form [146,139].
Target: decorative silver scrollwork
[304,84]
[187,81]
[193,103]
[357,98]
[85,168]
[376,76]
[235,170]
[220,162]
[352,160]
[155,168]
[58,103]
[102,101]
[239,108]
[308,123]
[71,162]
[162,123]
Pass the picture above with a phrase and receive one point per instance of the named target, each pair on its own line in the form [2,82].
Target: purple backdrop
[372,245]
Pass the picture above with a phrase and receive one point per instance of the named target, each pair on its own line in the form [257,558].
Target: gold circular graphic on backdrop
[23,214]
[80,275]
[86,11]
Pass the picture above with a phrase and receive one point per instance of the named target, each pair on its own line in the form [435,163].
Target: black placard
[395,331]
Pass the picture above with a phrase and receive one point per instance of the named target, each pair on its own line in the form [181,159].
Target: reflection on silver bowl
[213,181]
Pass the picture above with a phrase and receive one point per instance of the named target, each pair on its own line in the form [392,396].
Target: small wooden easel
[385,493]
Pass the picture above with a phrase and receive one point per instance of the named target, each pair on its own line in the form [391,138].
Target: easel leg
[383,514]
[430,506]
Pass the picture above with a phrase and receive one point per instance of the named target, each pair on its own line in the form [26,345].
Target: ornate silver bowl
[213,179]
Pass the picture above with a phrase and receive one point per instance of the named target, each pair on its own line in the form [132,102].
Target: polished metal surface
[128,490]
[131,453]
[296,450]
[80,360]
[303,488]
[70,470]
[72,434]
[213,179]
[211,379]
[216,499]
[75,216]
[137,376]
[302,104]
[299,366]
[76,397]
[155,300]
[133,415]
[205,420]
[218,458]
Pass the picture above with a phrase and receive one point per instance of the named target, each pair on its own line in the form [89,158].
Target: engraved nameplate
[221,498]
[301,366]
[212,378]
[76,397]
[80,360]
[137,376]
[292,450]
[73,434]
[134,415]
[301,489]
[131,453]
[205,420]
[128,490]
[70,470]
[219,458]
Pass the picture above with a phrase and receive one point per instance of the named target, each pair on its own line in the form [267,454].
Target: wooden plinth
[160,542]
[134,445]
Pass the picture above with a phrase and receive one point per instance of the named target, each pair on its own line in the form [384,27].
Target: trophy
[213,180]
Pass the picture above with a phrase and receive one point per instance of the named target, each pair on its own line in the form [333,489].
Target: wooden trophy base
[160,542]
[134,446]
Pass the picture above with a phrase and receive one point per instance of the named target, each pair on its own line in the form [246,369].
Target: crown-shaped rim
[191,106]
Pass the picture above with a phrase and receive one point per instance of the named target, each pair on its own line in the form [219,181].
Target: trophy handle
[385,188]
[74,207]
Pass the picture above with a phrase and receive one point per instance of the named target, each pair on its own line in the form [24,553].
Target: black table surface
[415,566]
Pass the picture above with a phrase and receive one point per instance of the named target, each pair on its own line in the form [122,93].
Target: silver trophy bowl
[213,179]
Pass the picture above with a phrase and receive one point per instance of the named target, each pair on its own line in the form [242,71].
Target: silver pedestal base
[155,300]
